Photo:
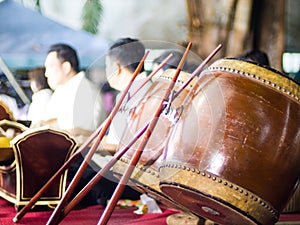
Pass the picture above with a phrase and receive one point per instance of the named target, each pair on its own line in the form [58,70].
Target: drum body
[145,177]
[233,157]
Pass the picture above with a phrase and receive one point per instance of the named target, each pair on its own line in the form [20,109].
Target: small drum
[145,175]
[233,157]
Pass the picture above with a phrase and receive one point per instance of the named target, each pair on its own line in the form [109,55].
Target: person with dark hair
[256,56]
[41,94]
[76,107]
[121,61]
[76,103]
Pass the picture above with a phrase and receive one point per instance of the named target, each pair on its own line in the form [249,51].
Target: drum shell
[239,131]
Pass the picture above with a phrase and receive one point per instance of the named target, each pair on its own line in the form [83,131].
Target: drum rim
[172,174]
[262,74]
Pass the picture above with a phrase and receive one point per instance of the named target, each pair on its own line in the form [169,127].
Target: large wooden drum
[145,177]
[233,157]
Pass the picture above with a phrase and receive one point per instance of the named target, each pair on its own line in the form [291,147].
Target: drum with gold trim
[233,157]
[145,177]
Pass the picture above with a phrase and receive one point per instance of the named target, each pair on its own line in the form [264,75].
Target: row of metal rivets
[257,78]
[141,168]
[179,81]
[225,183]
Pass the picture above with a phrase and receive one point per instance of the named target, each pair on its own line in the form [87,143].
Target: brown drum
[233,157]
[145,177]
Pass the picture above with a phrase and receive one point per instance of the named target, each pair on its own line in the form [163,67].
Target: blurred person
[123,58]
[75,105]
[121,61]
[256,56]
[41,94]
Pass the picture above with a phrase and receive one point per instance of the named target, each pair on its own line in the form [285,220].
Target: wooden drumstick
[136,156]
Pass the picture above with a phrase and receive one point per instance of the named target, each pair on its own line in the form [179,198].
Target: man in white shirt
[121,61]
[75,105]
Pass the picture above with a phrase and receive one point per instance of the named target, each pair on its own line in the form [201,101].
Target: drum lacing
[141,168]
[178,81]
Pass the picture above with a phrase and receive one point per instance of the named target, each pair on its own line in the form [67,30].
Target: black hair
[257,56]
[66,53]
[128,52]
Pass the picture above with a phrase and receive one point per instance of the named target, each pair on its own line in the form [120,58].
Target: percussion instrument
[145,175]
[233,156]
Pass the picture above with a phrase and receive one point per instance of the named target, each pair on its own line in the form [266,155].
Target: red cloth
[87,216]
[91,216]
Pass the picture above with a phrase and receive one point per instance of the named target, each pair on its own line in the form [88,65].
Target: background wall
[144,19]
